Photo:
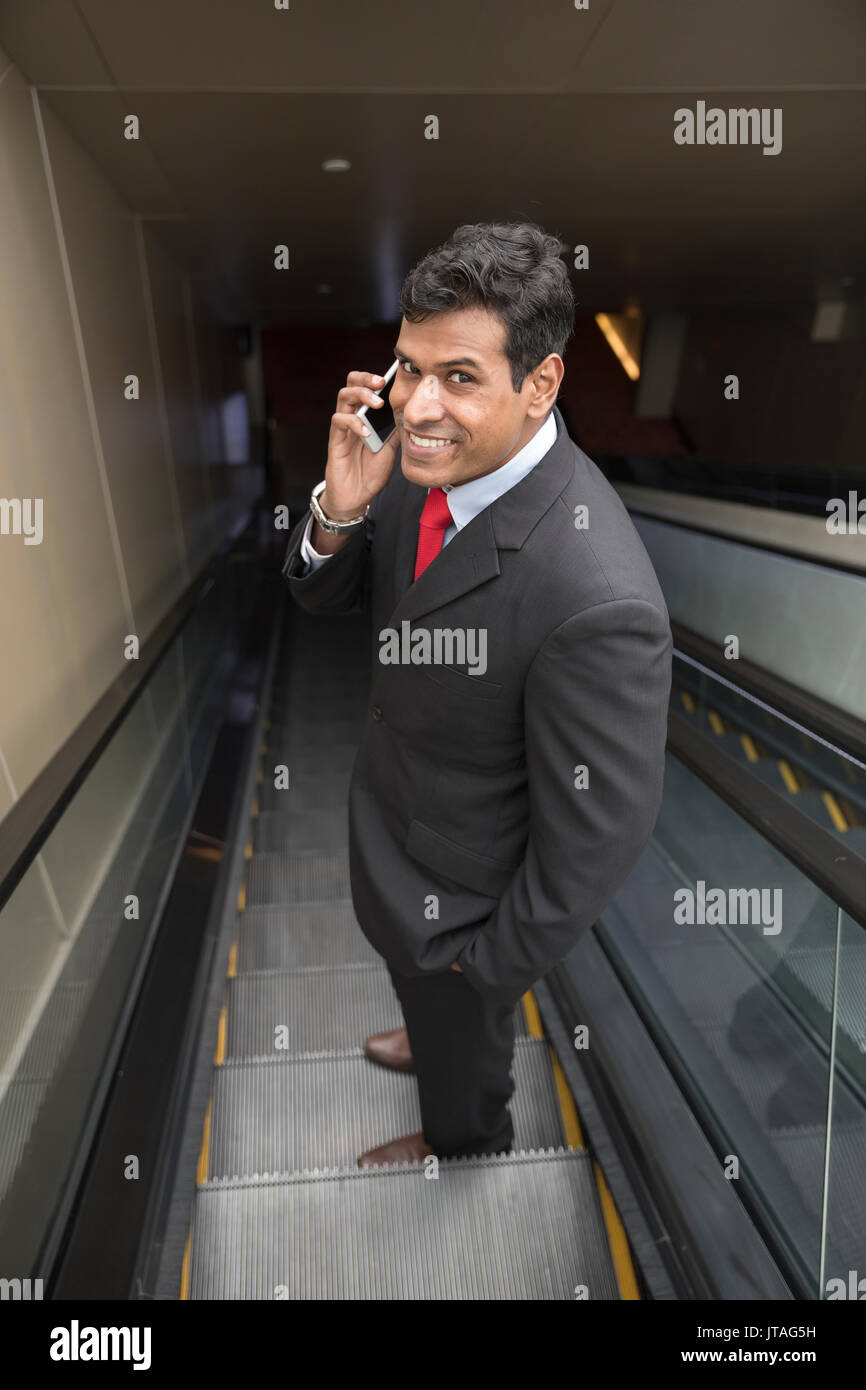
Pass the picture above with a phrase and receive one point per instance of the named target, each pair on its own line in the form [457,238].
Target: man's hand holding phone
[354,474]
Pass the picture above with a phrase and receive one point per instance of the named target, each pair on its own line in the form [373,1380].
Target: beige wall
[133,492]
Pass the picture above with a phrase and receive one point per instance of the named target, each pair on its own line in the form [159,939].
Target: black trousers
[463,1049]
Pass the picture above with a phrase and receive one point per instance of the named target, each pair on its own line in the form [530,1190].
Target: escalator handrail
[817,853]
[29,822]
[843,731]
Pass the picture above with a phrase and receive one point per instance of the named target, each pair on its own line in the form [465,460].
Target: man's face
[454,384]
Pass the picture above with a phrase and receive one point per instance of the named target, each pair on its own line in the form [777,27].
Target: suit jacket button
[376,713]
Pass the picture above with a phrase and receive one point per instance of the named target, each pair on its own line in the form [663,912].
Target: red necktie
[435,520]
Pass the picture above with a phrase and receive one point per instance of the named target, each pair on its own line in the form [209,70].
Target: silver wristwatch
[334,528]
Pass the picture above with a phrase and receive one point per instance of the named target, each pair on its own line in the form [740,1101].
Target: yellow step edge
[248,849]
[749,748]
[184,1270]
[715,722]
[688,701]
[532,1016]
[232,970]
[620,1254]
[622,1262]
[242,896]
[204,1151]
[220,1054]
[567,1107]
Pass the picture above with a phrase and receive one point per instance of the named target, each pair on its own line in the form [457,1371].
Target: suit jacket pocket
[473,686]
[476,871]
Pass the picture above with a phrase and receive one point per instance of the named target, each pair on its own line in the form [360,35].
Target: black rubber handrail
[834,725]
[724,533]
[818,854]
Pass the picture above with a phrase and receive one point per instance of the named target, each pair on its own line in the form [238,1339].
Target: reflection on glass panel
[824,782]
[844,1274]
[729,949]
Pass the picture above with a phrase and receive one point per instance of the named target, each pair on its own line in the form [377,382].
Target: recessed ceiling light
[323,289]
[336,166]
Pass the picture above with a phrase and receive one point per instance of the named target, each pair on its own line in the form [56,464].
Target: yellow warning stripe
[220,1054]
[184,1272]
[567,1107]
[232,970]
[749,748]
[622,1262]
[204,1151]
[834,810]
[248,850]
[532,1016]
[788,777]
[715,722]
[616,1236]
[688,702]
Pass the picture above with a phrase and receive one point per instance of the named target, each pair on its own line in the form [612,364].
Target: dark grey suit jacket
[469,839]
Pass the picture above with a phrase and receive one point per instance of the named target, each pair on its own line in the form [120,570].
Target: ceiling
[545,112]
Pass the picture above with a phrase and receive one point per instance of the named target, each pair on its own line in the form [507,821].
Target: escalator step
[518,1227]
[323,1111]
[298,878]
[283,938]
[303,732]
[307,791]
[299,831]
[321,1010]
[335,758]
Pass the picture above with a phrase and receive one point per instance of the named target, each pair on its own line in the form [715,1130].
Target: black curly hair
[513,269]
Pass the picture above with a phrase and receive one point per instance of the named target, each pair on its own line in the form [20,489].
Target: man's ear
[545,385]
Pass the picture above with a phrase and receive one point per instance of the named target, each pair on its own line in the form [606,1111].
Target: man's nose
[424,403]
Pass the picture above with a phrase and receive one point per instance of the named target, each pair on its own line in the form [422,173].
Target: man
[494,810]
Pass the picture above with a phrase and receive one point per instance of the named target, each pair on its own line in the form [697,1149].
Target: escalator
[707,1141]
[281,1208]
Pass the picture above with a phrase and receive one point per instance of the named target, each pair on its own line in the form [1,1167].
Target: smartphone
[382,416]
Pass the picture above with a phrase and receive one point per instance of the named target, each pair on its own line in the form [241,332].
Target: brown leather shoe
[390,1050]
[409,1148]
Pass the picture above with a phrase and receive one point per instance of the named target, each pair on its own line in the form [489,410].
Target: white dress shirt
[466,500]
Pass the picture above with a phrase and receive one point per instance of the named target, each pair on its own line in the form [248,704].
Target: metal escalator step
[321,1010]
[335,758]
[298,878]
[305,732]
[285,938]
[288,831]
[323,1111]
[516,1227]
[307,791]
[338,696]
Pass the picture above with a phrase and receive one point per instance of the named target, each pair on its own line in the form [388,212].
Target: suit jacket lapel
[472,557]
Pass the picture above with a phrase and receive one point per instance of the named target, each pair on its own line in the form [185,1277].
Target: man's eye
[463,374]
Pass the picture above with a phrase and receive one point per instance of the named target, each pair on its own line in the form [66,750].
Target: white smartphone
[383,415]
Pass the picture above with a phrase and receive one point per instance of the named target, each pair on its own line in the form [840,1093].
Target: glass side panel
[729,951]
[76,932]
[844,1273]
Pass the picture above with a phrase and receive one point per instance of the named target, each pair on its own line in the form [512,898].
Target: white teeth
[424,443]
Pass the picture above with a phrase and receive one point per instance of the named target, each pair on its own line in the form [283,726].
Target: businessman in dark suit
[510,770]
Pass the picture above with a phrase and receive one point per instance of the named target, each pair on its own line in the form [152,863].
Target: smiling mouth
[428,443]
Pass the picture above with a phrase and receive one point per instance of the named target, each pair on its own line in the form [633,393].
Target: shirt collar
[466,500]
